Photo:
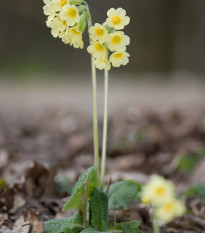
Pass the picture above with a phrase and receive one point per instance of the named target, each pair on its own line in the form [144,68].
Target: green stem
[156,228]
[95,112]
[104,141]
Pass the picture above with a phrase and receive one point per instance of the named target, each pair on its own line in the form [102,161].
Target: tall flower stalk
[105,126]
[68,20]
[95,111]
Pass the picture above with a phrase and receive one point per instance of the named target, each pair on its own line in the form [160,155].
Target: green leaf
[68,230]
[2,183]
[99,209]
[91,230]
[187,163]
[122,194]
[75,200]
[129,227]
[196,190]
[59,225]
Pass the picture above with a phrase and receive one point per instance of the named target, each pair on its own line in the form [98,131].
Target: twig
[115,221]
[108,184]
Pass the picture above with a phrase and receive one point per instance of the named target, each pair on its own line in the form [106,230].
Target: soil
[46,143]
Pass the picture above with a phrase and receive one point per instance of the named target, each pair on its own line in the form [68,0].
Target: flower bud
[83,22]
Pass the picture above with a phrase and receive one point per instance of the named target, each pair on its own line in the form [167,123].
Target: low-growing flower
[70,14]
[158,191]
[97,50]
[102,64]
[170,210]
[117,18]
[98,33]
[117,41]
[119,58]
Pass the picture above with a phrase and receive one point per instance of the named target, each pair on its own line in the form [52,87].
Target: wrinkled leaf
[99,209]
[129,227]
[91,230]
[122,194]
[59,225]
[75,200]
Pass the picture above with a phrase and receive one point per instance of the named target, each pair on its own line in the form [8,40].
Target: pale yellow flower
[117,41]
[76,38]
[59,4]
[57,26]
[65,37]
[117,18]
[170,210]
[49,9]
[98,33]
[158,191]
[70,14]
[102,64]
[119,58]
[97,50]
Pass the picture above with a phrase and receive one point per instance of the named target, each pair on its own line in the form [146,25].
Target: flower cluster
[67,20]
[159,193]
[106,37]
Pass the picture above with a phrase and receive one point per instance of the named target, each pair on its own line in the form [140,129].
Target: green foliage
[122,194]
[67,225]
[187,163]
[75,200]
[99,209]
[129,227]
[141,134]
[91,230]
[2,183]
[196,190]
[65,188]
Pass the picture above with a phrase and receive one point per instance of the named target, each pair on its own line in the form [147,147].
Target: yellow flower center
[116,20]
[159,191]
[99,31]
[116,39]
[99,47]
[72,13]
[75,31]
[63,2]
[169,206]
[118,55]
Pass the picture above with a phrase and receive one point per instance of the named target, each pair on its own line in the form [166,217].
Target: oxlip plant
[68,20]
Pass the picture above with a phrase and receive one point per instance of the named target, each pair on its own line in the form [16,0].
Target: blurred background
[166,36]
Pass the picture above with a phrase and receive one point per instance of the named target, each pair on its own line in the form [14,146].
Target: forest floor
[46,143]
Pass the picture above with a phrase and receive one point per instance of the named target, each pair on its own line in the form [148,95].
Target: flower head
[119,58]
[158,191]
[117,41]
[70,14]
[102,64]
[117,18]
[97,50]
[170,210]
[98,33]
